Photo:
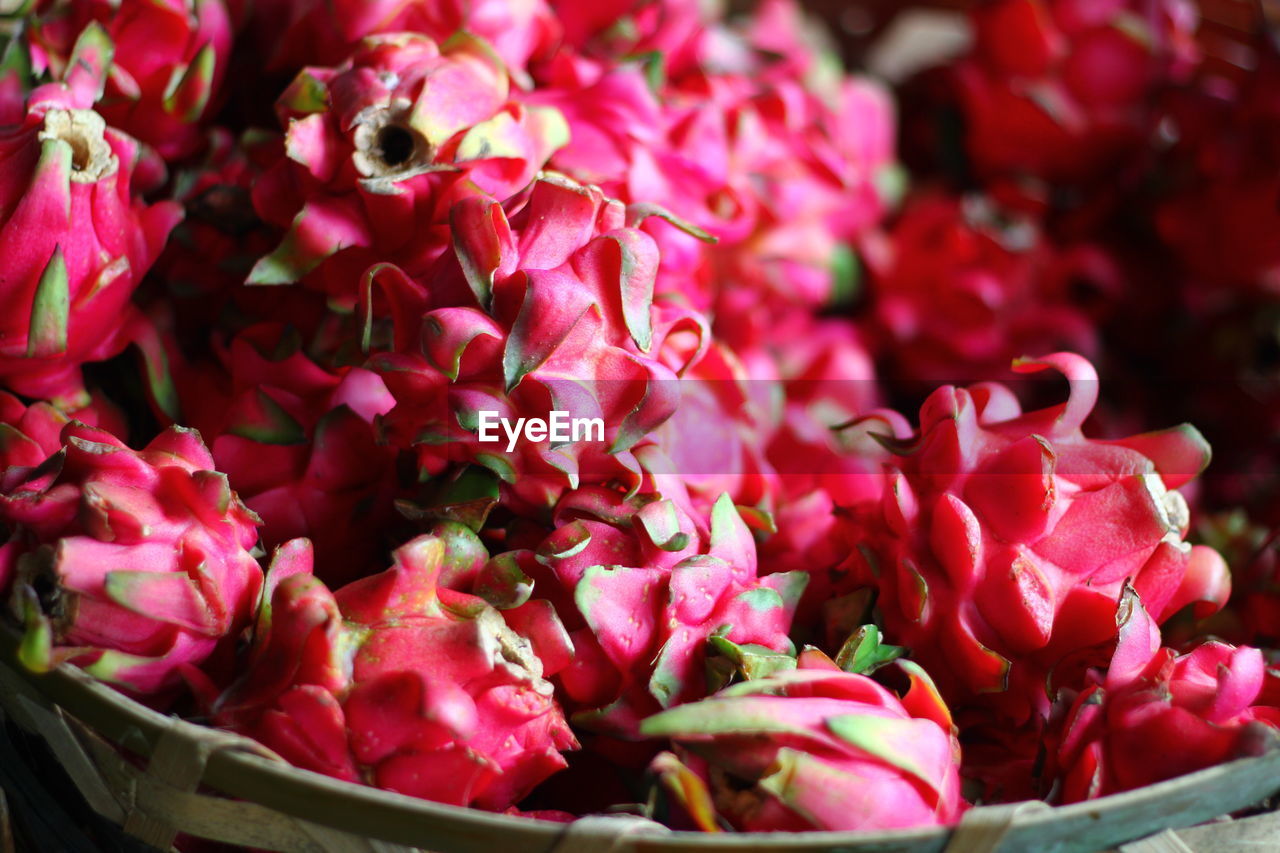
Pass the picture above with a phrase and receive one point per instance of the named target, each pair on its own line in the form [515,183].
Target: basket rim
[400,818]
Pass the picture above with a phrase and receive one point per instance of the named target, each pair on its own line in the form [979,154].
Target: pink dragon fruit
[829,380]
[400,681]
[221,223]
[824,179]
[295,33]
[1004,539]
[1064,90]
[377,150]
[626,139]
[648,591]
[130,564]
[778,36]
[65,296]
[782,166]
[31,434]
[824,456]
[961,289]
[716,440]
[297,443]
[762,428]
[164,62]
[546,305]
[1155,714]
[759,423]
[620,29]
[814,748]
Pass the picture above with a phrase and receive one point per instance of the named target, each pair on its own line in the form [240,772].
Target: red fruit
[65,296]
[1156,714]
[1064,91]
[648,592]
[379,148]
[813,748]
[401,682]
[298,443]
[963,289]
[544,304]
[1005,538]
[162,61]
[294,33]
[130,564]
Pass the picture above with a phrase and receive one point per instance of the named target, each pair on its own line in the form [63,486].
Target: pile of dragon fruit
[557,408]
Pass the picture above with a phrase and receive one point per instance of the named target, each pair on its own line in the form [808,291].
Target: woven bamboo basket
[157,776]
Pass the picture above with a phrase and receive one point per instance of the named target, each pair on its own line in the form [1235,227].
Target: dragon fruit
[781,165]
[1155,714]
[762,427]
[298,445]
[648,590]
[716,440]
[65,296]
[1004,539]
[221,223]
[625,138]
[295,33]
[1064,91]
[420,234]
[821,184]
[379,148]
[164,62]
[758,423]
[547,306]
[692,39]
[401,681]
[1252,615]
[130,564]
[814,748]
[31,434]
[961,289]
[828,380]
[824,457]
[619,29]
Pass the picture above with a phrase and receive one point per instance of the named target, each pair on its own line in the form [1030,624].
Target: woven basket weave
[157,776]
